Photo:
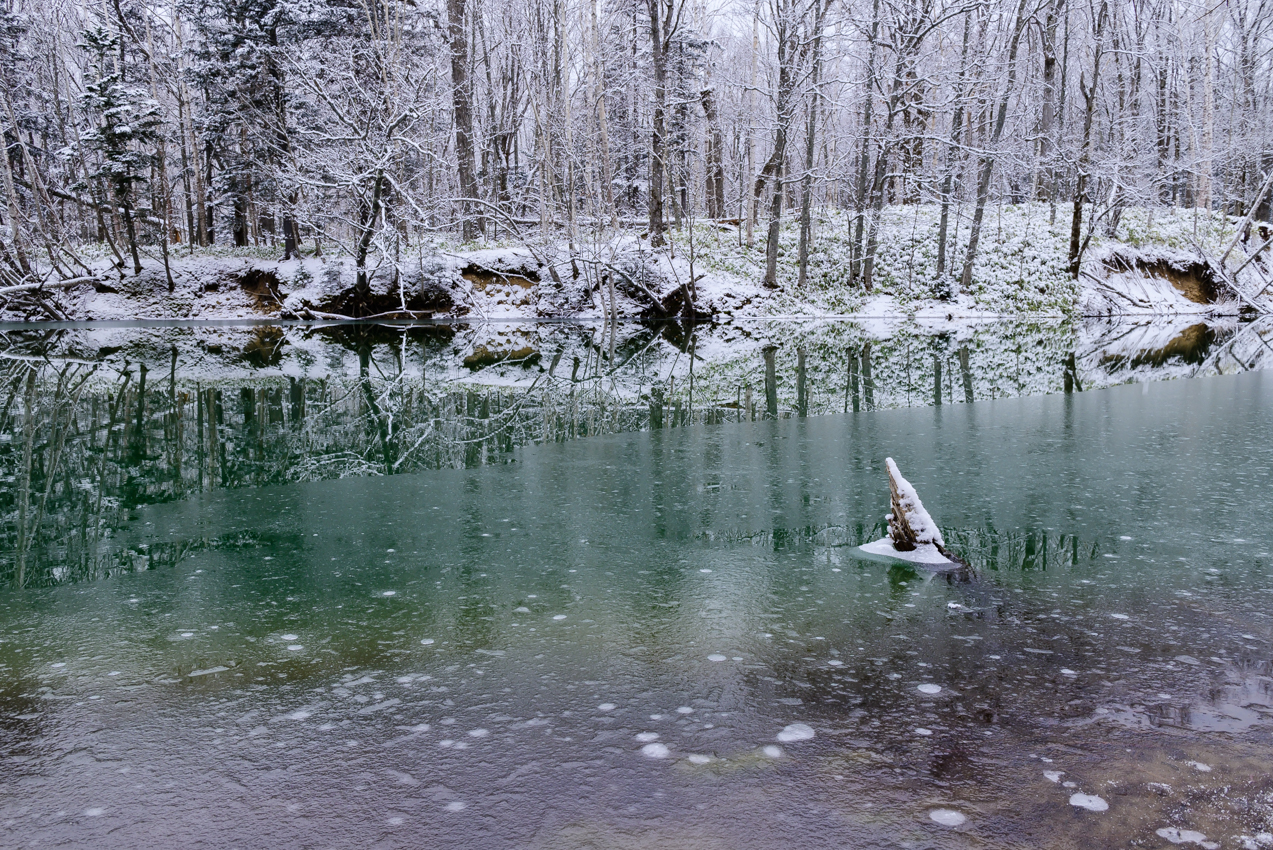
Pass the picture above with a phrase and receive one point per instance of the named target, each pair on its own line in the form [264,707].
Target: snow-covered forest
[139,132]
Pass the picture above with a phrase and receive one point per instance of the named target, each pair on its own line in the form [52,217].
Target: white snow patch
[772,752]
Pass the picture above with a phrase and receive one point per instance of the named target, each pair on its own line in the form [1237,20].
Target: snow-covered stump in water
[912,534]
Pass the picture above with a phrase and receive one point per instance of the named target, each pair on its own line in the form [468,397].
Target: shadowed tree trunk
[462,108]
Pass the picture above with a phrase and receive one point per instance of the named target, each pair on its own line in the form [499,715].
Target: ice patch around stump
[913,537]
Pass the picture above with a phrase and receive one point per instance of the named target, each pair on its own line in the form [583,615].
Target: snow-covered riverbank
[1156,263]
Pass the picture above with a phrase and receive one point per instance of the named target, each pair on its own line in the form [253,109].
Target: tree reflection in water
[90,431]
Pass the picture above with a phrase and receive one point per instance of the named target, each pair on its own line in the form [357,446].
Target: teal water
[666,639]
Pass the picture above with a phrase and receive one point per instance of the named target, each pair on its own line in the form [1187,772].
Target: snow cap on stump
[909,525]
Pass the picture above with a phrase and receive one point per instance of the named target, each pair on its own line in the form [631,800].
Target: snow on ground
[1019,271]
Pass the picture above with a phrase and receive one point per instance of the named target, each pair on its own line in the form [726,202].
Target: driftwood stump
[899,529]
[909,524]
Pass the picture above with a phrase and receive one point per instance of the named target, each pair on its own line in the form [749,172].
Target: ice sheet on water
[715,656]
[647,736]
[1184,836]
[796,732]
[655,751]
[929,688]
[1091,802]
[947,817]
[926,553]
[193,674]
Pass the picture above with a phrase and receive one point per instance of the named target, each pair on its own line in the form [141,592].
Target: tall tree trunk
[715,154]
[1047,114]
[956,136]
[659,37]
[362,286]
[857,245]
[1085,153]
[806,181]
[462,107]
[603,124]
[988,159]
[786,33]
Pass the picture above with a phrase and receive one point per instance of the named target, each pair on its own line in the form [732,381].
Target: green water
[618,641]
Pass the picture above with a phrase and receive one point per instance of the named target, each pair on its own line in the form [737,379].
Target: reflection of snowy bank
[753,368]
[1184,347]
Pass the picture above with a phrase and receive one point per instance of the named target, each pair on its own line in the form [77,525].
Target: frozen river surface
[666,639]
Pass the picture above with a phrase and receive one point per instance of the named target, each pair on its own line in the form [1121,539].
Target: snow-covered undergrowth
[1145,266]
[1020,267]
